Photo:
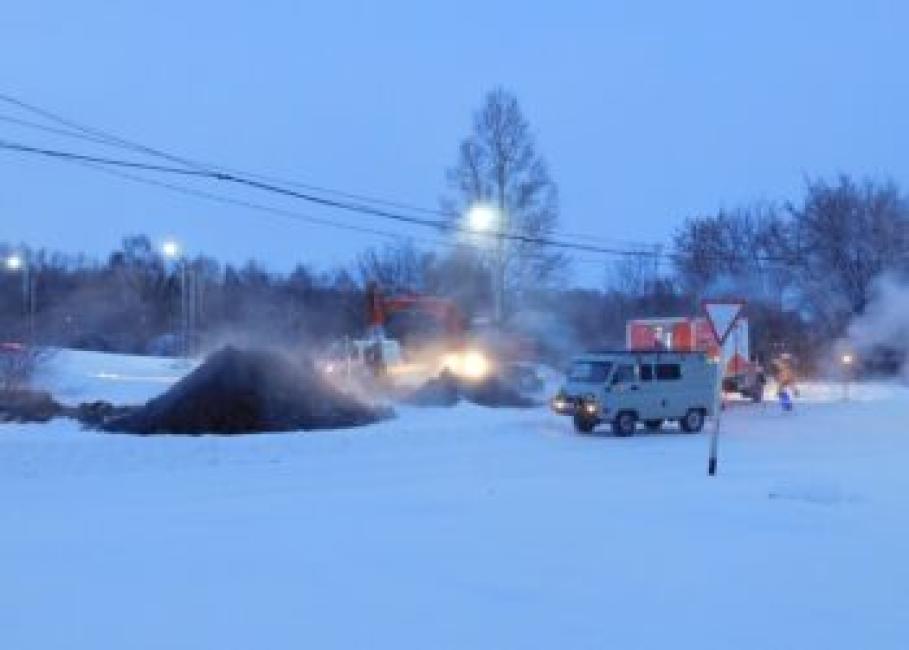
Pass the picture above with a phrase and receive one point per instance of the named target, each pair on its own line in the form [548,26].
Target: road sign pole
[715,436]
[722,316]
[714,441]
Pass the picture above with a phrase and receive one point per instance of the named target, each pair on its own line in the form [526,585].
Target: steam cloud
[885,321]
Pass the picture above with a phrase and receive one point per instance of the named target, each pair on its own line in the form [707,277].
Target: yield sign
[722,314]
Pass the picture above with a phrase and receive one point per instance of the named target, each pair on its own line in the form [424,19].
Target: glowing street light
[482,217]
[486,219]
[171,249]
[20,263]
[14,262]
[846,359]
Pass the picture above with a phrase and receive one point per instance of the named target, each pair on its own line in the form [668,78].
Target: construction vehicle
[384,358]
[694,334]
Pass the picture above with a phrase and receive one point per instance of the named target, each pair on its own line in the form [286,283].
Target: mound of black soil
[448,390]
[28,406]
[96,414]
[245,391]
[439,391]
[492,391]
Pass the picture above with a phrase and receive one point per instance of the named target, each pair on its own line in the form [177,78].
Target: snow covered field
[456,528]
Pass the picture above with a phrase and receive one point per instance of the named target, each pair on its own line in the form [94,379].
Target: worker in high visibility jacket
[785,377]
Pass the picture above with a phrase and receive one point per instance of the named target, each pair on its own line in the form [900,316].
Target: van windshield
[589,371]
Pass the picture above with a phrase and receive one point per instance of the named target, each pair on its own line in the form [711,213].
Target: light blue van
[625,388]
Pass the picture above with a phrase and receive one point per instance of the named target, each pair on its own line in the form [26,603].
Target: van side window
[668,371]
[624,374]
[646,372]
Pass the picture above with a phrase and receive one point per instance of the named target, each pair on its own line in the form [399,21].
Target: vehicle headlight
[472,364]
[475,365]
[590,408]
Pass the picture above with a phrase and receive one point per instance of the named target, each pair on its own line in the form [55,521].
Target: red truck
[694,334]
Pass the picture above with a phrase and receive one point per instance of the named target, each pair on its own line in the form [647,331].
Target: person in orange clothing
[785,378]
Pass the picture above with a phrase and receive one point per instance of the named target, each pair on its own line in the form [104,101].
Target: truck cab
[628,388]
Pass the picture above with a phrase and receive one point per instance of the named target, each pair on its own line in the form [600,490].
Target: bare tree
[498,164]
[634,275]
[396,267]
[747,251]
[847,235]
[17,365]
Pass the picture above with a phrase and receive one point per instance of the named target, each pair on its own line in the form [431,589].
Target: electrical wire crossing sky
[646,114]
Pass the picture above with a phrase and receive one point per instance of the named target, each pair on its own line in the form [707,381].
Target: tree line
[807,267]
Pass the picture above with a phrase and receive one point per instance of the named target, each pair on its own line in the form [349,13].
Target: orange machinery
[378,307]
[452,352]
[690,334]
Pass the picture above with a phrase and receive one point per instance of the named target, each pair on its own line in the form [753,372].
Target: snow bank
[462,528]
[74,376]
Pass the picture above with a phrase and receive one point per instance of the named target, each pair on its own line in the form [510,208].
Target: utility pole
[28,299]
[657,255]
[173,251]
[32,282]
[499,271]
[198,305]
[195,297]
[22,263]
[846,360]
[184,307]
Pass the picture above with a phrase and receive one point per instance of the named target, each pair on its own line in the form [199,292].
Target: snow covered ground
[456,528]
[75,376]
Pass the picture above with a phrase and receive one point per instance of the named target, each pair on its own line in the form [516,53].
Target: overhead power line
[259,207]
[228,200]
[295,215]
[438,225]
[81,131]
[78,130]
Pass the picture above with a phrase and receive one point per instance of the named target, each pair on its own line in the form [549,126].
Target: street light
[173,251]
[486,219]
[14,262]
[846,360]
[19,263]
[481,217]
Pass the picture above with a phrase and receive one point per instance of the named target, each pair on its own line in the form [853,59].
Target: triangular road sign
[722,314]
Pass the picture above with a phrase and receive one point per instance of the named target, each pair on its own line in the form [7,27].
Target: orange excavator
[444,311]
[450,351]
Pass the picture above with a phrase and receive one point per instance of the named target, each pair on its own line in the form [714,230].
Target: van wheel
[653,425]
[584,424]
[693,421]
[624,424]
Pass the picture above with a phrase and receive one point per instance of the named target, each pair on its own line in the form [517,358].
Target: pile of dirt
[96,414]
[492,391]
[448,390]
[23,405]
[443,390]
[245,391]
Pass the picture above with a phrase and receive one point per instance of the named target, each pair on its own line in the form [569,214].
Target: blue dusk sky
[647,112]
